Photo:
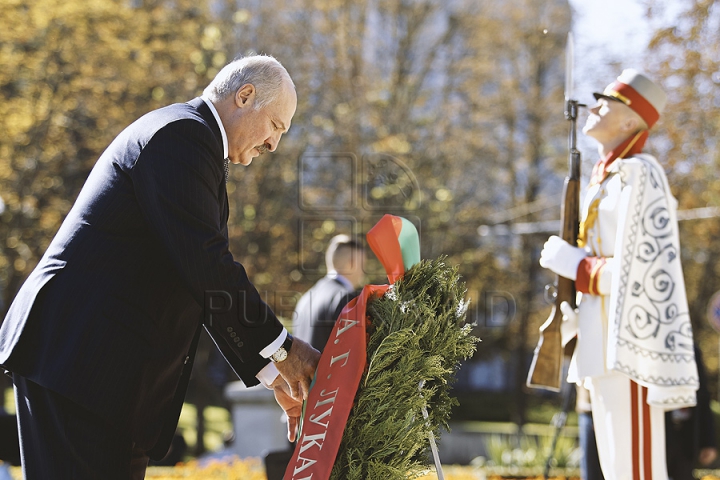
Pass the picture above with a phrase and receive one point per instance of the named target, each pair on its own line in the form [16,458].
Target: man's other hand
[292,407]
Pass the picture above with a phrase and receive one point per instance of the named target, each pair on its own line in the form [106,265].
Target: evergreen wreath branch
[417,332]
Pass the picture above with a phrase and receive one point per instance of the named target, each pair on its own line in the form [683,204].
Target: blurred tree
[685,55]
[445,113]
[524,107]
[73,74]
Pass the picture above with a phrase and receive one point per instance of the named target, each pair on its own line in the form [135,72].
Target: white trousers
[630,433]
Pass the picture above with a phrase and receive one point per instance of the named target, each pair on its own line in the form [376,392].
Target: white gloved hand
[561,257]
[569,325]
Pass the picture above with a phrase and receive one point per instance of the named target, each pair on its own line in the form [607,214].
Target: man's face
[606,121]
[357,274]
[253,132]
[350,262]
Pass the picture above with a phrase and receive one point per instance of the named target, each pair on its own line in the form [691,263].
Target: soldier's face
[605,119]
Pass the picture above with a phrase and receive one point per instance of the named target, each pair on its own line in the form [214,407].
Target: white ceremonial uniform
[634,344]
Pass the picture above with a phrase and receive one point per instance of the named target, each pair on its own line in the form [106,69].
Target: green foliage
[417,337]
[217,424]
[531,451]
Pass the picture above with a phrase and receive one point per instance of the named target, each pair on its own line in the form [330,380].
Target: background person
[317,310]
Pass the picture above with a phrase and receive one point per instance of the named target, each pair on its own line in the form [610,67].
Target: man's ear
[631,124]
[245,95]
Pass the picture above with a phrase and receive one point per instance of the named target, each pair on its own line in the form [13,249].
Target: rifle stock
[546,367]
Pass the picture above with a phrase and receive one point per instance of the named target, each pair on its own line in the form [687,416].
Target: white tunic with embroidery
[638,324]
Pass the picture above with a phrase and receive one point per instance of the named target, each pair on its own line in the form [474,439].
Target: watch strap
[288,342]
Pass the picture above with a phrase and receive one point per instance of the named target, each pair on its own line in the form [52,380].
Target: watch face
[280,355]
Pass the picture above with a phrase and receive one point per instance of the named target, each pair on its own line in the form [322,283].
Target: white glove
[569,325]
[561,257]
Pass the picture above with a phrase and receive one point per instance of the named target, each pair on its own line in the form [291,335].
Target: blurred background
[449,113]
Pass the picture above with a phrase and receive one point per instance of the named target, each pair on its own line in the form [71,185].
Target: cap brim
[598,96]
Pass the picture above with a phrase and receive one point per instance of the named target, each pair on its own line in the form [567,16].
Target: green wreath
[417,337]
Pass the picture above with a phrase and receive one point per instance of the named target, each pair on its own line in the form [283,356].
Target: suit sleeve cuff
[275,345]
[268,375]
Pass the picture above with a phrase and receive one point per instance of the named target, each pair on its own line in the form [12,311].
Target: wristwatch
[282,352]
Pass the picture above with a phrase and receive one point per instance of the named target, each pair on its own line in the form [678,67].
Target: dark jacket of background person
[690,430]
[111,315]
[317,310]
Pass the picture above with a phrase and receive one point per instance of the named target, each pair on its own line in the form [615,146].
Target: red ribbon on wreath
[395,242]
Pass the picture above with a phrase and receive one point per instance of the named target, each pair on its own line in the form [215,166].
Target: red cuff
[588,274]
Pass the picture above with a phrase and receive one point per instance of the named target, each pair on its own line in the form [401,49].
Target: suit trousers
[60,440]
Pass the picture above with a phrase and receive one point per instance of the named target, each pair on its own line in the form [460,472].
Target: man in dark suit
[319,307]
[101,337]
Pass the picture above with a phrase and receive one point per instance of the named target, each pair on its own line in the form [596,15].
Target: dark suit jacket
[317,310]
[111,315]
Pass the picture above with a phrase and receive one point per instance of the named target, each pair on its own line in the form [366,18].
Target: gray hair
[264,72]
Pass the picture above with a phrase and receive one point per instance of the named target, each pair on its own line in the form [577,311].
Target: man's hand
[298,369]
[292,407]
[561,257]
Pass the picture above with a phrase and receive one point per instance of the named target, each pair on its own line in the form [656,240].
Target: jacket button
[240,344]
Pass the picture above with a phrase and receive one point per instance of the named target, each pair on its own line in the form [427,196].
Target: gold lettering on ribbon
[315,440]
[306,462]
[309,441]
[329,400]
[317,419]
[340,357]
[346,324]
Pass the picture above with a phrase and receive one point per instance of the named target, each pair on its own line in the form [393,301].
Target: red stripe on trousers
[635,416]
[647,433]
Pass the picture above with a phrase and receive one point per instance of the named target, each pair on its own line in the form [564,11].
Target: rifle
[558,421]
[546,367]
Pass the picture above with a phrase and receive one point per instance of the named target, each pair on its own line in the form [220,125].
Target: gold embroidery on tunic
[594,283]
[588,223]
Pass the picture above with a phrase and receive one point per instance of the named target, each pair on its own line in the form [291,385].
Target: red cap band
[630,97]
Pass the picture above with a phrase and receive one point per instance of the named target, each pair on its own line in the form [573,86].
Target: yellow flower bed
[253,469]
[248,469]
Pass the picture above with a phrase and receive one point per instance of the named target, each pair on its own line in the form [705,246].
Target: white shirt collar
[336,276]
[220,124]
